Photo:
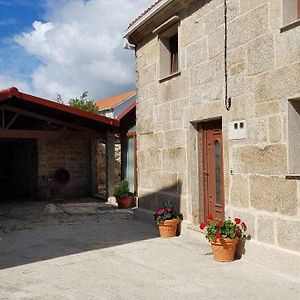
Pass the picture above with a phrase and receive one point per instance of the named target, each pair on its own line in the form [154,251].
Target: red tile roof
[14,92]
[114,101]
[144,13]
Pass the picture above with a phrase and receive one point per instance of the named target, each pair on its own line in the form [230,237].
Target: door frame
[201,158]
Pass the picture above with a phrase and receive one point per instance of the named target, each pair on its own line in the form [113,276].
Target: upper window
[291,11]
[173,53]
[169,52]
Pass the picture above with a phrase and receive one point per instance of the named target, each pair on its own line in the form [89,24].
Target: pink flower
[160,212]
[169,209]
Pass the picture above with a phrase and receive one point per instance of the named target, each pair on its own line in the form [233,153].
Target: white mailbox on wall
[237,130]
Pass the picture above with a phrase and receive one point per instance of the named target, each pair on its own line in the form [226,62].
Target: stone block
[243,107]
[174,139]
[273,194]
[152,54]
[177,108]
[247,5]
[239,195]
[196,53]
[237,56]
[147,200]
[246,216]
[214,19]
[265,229]
[174,160]
[280,83]
[267,108]
[250,159]
[145,125]
[173,89]
[260,54]
[233,9]
[287,47]
[239,85]
[237,69]
[275,129]
[145,108]
[248,26]
[150,140]
[288,233]
[158,181]
[162,113]
[204,73]
[192,29]
[257,131]
[206,92]
[216,42]
[149,160]
[147,75]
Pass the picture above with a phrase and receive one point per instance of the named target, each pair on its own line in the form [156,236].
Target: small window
[291,11]
[174,53]
[169,52]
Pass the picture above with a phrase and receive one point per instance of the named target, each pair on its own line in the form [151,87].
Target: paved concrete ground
[110,255]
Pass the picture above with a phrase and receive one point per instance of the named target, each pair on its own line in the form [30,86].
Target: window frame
[166,57]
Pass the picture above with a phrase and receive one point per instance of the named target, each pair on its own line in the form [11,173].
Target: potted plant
[223,236]
[167,220]
[123,195]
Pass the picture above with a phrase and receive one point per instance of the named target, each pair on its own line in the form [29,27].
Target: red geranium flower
[218,235]
[237,221]
[210,217]
[244,226]
[202,226]
[238,233]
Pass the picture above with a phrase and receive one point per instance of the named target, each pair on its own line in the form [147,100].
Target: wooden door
[213,173]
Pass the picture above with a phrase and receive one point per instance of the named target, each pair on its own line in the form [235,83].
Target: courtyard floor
[89,250]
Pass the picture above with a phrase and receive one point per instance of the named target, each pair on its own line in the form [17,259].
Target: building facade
[218,112]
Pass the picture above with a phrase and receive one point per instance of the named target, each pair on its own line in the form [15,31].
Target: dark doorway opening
[18,169]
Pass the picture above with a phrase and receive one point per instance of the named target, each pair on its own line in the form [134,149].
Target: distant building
[112,107]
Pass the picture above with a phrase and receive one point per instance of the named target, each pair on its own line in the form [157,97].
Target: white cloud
[7,81]
[80,47]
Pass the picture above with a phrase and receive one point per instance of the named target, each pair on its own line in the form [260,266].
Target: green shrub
[121,189]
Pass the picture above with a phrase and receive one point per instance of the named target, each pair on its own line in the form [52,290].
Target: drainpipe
[227,101]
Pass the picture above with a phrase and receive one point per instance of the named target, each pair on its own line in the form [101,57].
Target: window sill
[176,74]
[292,176]
[290,26]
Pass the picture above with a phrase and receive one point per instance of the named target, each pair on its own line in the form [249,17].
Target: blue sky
[17,16]
[67,46]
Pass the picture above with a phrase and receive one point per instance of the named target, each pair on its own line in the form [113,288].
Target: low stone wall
[74,155]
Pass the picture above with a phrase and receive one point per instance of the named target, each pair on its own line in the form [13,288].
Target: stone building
[48,150]
[218,115]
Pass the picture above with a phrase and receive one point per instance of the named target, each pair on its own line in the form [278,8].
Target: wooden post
[94,169]
[110,164]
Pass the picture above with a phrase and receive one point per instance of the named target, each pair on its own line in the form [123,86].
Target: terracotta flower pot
[124,202]
[168,228]
[224,249]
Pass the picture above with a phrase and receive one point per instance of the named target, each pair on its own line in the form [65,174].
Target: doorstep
[275,258]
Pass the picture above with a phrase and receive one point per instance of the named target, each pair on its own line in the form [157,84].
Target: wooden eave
[176,7]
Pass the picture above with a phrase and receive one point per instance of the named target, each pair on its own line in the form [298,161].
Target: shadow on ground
[34,231]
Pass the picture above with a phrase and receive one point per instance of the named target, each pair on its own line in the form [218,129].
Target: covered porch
[48,150]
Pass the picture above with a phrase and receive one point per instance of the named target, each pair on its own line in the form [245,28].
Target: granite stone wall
[74,155]
[263,75]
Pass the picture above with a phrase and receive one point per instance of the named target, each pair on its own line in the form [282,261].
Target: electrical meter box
[237,130]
